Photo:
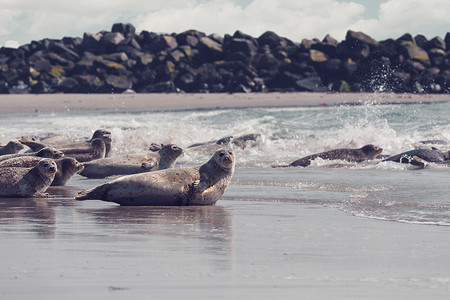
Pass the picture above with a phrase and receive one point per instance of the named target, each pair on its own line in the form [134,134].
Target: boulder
[125,29]
[210,49]
[410,50]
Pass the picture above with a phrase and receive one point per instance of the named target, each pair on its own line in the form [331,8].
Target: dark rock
[421,41]
[247,47]
[119,83]
[310,84]
[411,50]
[111,40]
[435,43]
[190,38]
[161,87]
[91,42]
[125,29]
[90,84]
[210,49]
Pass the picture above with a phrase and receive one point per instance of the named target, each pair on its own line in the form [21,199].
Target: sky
[22,21]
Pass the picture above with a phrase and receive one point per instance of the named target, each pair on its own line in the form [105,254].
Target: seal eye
[45,165]
[222,154]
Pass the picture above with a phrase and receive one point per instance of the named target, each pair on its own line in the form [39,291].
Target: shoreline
[31,103]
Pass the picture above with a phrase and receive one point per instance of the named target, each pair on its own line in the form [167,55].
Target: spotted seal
[241,142]
[12,147]
[27,182]
[364,153]
[96,150]
[428,155]
[202,185]
[164,158]
[46,152]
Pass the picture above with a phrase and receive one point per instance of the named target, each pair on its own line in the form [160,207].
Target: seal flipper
[95,193]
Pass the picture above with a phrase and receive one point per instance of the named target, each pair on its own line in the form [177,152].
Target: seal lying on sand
[429,155]
[202,185]
[66,166]
[367,152]
[12,147]
[96,150]
[44,153]
[27,182]
[134,163]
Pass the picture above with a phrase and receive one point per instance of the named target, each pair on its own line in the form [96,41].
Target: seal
[429,155]
[12,147]
[27,182]
[66,167]
[201,185]
[98,134]
[241,142]
[364,153]
[96,150]
[46,152]
[164,158]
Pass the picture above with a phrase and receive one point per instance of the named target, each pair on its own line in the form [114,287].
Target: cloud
[27,20]
[397,17]
[293,19]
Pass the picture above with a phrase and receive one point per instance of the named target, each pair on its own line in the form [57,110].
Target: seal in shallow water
[202,185]
[429,155]
[27,182]
[367,152]
[46,152]
[164,158]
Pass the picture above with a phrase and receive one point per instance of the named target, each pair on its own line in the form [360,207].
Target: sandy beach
[124,102]
[273,235]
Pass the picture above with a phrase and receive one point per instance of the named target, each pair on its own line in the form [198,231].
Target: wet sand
[58,248]
[62,249]
[124,102]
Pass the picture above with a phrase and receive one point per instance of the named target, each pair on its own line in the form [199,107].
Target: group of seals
[30,174]
[202,185]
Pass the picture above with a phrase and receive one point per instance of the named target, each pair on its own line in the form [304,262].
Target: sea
[332,230]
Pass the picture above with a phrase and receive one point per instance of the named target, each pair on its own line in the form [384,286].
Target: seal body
[46,152]
[429,155]
[202,185]
[96,150]
[164,158]
[241,142]
[27,182]
[12,147]
[351,155]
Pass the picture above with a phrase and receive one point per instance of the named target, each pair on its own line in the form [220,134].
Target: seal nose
[52,169]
